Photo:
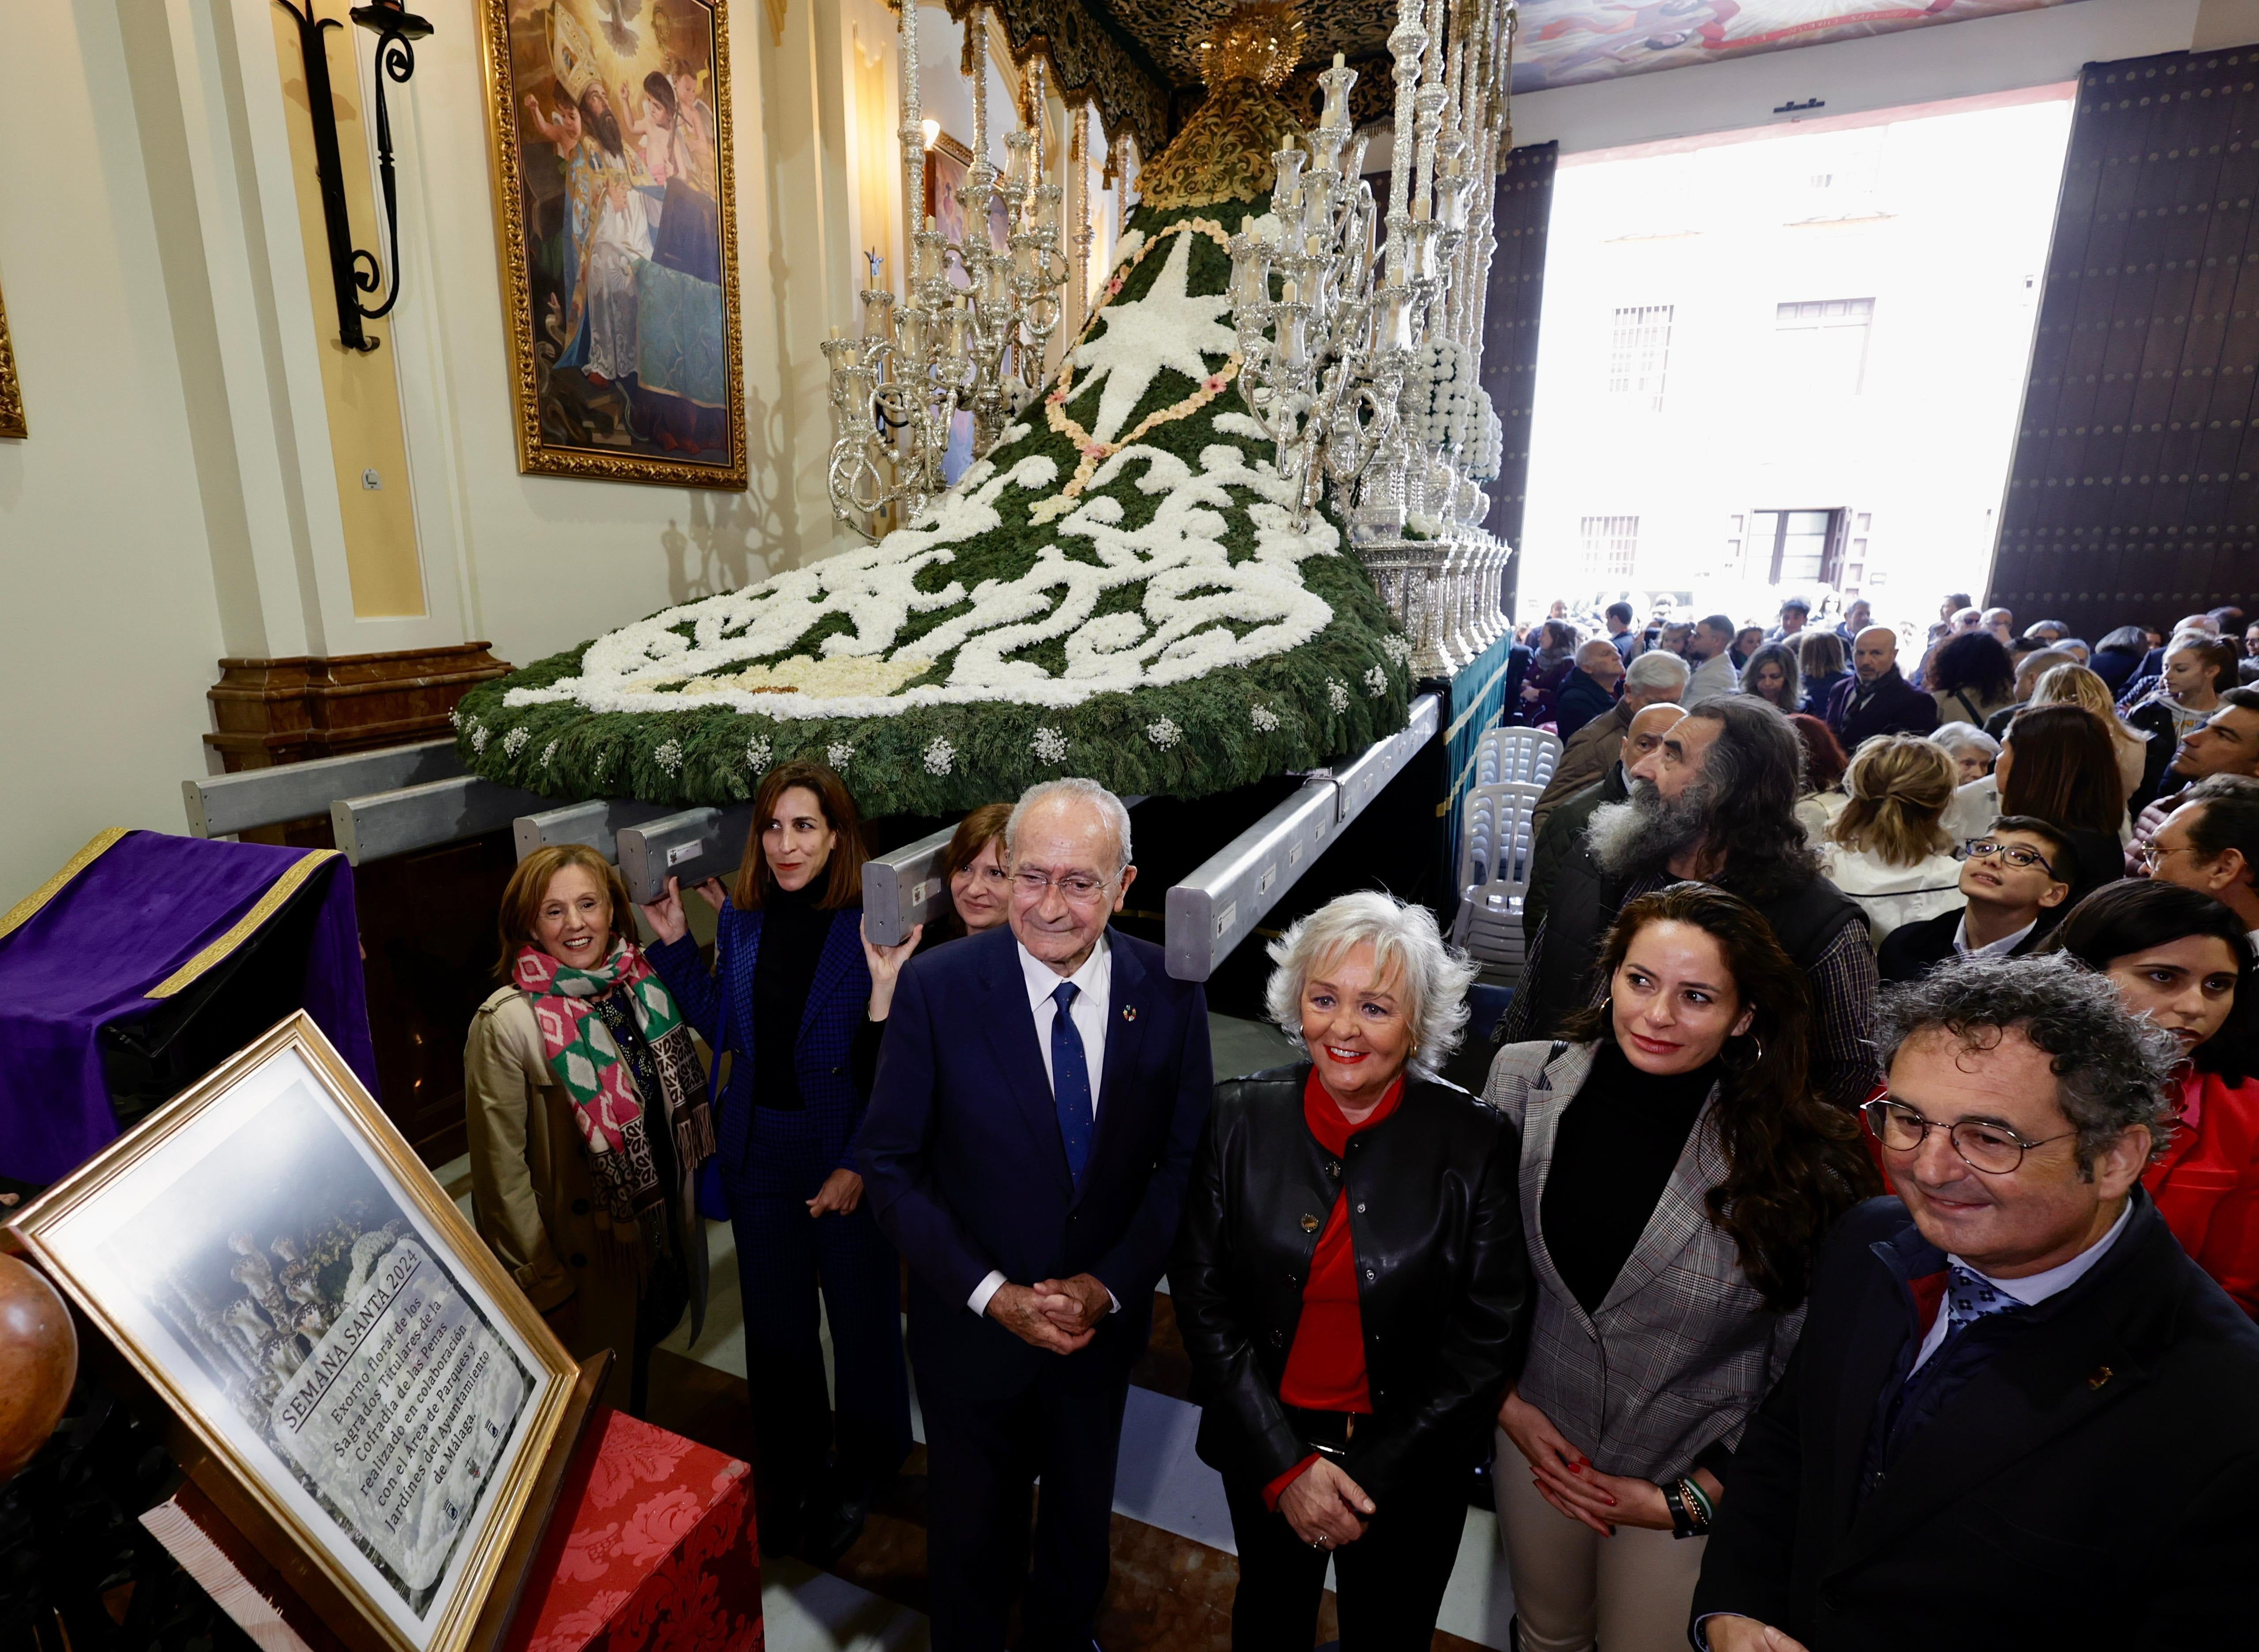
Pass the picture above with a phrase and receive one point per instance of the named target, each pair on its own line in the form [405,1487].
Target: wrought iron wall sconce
[353,270]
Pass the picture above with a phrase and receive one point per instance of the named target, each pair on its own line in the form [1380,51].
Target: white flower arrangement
[597,769]
[1439,396]
[1049,745]
[1337,695]
[838,754]
[1489,442]
[1163,733]
[1264,719]
[940,756]
[668,756]
[758,750]
[480,733]
[1376,682]
[1397,648]
[514,742]
[549,755]
[696,657]
[454,716]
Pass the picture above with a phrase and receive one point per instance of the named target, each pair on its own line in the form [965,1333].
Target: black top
[793,929]
[1612,1152]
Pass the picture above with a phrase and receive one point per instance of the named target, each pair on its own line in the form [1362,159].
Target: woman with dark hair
[1772,675]
[581,1171]
[1824,767]
[2058,762]
[1820,661]
[2180,959]
[1970,677]
[1677,1173]
[2119,655]
[788,1001]
[979,890]
[1555,656]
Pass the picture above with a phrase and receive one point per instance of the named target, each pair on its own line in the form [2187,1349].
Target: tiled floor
[1175,1569]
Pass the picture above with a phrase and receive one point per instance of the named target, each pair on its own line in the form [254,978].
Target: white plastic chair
[1514,753]
[1494,856]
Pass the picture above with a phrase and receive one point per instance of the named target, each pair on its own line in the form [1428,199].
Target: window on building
[1823,345]
[1610,545]
[1639,353]
[1797,548]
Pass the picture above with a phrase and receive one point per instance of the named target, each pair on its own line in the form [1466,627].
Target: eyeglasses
[2151,854]
[1994,1149]
[1079,887]
[2016,855]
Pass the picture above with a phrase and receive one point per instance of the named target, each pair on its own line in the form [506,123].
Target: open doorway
[1789,362]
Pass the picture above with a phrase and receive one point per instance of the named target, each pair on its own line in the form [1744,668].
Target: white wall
[1886,71]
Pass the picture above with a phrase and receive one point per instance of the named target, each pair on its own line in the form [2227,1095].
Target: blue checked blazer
[720,1006]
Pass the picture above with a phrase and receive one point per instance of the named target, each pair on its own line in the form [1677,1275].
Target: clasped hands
[1059,1315]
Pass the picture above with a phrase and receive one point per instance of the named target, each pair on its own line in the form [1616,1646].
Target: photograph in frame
[270,1256]
[616,222]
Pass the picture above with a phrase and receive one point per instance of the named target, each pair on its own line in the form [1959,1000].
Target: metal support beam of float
[414,817]
[221,804]
[596,822]
[1229,894]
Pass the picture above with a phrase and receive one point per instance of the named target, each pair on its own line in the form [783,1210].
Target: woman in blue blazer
[790,1003]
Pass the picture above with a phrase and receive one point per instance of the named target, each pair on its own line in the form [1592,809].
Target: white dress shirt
[1095,979]
[2000,948]
[2030,1291]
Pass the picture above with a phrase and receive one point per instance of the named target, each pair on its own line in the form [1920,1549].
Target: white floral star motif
[1168,327]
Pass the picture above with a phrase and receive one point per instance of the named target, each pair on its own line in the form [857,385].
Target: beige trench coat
[532,1197]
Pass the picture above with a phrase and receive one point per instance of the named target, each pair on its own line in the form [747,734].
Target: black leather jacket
[1443,1279]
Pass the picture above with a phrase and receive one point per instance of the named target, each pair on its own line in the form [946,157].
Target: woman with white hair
[1352,1284]
[1976,794]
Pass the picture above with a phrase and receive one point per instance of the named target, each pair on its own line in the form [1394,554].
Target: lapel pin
[2101,1376]
[1129,1012]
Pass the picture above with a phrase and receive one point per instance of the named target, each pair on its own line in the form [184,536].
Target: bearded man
[1715,801]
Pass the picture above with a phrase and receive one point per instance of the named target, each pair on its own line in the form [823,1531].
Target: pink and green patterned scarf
[580,1051]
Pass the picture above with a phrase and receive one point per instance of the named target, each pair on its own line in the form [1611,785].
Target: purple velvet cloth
[127,921]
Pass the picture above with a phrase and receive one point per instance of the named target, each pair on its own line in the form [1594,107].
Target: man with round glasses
[2019,1415]
[1039,1095]
[2013,893]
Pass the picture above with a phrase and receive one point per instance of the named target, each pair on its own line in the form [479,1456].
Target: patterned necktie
[1970,1297]
[1071,1082]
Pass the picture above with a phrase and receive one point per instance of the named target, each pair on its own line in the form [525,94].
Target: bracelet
[1682,1524]
[1706,1512]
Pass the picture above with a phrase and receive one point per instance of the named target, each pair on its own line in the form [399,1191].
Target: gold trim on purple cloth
[21,912]
[245,927]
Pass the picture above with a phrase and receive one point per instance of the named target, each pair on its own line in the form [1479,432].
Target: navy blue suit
[968,1173]
[773,1161]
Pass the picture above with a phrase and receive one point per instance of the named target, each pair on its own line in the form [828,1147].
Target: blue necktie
[1071,1083]
[1970,1297]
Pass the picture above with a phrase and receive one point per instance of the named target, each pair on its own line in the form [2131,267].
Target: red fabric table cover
[653,1547]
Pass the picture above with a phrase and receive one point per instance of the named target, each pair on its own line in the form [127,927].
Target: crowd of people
[1855,1237]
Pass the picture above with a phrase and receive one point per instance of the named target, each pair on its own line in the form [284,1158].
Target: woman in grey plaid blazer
[1677,1173]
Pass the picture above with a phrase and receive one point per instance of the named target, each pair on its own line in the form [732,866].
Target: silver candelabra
[975,325]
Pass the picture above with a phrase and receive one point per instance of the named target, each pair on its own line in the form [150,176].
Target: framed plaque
[371,1399]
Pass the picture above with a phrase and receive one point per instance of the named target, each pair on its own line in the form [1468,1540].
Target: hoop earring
[1755,1060]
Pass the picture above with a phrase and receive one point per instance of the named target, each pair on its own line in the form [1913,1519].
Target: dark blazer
[2154,719]
[1561,858]
[962,1158]
[1443,1291]
[1581,699]
[1913,950]
[1896,707]
[2090,1486]
[1818,688]
[720,1006]
[2115,666]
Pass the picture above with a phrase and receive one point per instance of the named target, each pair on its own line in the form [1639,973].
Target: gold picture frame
[427,1384]
[12,421]
[627,360]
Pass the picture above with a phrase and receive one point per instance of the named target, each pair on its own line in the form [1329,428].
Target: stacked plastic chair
[1513,766]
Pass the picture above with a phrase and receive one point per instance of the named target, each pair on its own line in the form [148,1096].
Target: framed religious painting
[12,393]
[616,221]
[365,1393]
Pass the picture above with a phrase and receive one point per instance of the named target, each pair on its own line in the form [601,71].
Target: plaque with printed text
[269,1256]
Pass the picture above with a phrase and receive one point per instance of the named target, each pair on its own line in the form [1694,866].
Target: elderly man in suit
[1039,1096]
[2019,1414]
